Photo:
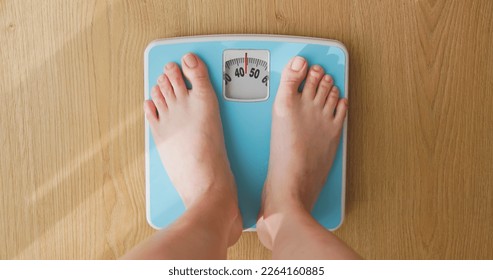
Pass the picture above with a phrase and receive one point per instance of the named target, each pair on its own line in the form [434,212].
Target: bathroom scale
[245,71]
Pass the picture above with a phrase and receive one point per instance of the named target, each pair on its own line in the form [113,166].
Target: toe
[196,72]
[341,110]
[292,76]
[150,111]
[323,89]
[158,99]
[312,81]
[166,88]
[332,99]
[176,79]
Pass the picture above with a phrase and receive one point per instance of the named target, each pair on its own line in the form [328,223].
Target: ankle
[274,220]
[289,201]
[219,188]
[288,207]
[223,203]
[227,214]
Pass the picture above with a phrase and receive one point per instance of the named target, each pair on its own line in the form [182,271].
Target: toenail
[327,78]
[316,68]
[161,79]
[297,63]
[190,60]
[169,65]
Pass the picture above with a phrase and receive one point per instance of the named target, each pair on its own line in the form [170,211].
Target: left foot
[187,129]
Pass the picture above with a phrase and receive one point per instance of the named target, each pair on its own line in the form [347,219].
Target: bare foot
[188,133]
[306,129]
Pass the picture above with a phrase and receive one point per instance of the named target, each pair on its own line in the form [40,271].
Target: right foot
[306,129]
[187,130]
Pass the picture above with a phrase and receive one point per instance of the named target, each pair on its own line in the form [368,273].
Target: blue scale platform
[246,124]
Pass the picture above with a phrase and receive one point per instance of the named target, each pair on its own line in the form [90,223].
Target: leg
[187,129]
[306,128]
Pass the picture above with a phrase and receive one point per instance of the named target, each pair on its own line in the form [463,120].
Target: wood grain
[420,159]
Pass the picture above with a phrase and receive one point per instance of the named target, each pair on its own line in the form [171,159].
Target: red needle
[246,63]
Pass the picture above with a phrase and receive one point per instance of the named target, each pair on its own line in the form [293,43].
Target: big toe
[196,72]
[293,74]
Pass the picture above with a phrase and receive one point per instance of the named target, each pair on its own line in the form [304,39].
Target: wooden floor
[420,154]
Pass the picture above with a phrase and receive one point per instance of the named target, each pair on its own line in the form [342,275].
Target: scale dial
[246,75]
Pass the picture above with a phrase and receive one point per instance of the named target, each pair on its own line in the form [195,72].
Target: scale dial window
[246,75]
